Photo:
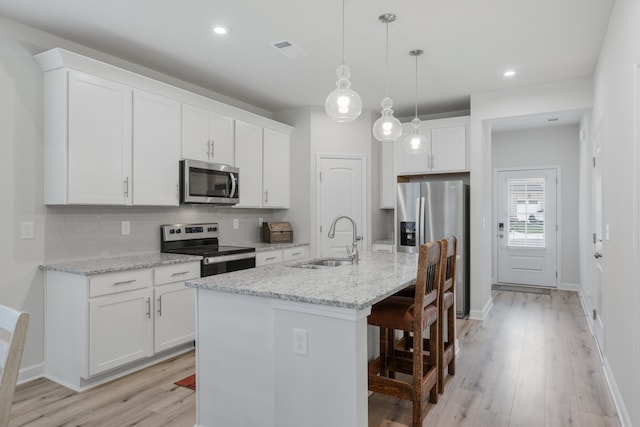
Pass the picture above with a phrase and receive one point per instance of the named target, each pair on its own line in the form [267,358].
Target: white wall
[485,107]
[550,146]
[616,111]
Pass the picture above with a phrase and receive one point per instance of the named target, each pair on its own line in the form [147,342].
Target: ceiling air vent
[289,49]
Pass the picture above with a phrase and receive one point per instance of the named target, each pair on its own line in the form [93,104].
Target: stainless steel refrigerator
[434,209]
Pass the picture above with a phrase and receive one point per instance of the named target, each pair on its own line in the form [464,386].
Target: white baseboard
[31,373]
[569,287]
[481,314]
[625,420]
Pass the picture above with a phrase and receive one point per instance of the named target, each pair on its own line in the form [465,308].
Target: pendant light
[415,142]
[387,128]
[343,104]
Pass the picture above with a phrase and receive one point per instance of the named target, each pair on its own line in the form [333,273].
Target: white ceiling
[468,44]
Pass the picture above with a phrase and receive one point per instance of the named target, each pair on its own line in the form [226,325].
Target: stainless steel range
[202,239]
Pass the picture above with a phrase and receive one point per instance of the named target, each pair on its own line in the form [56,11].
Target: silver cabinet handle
[149,308]
[266,196]
[126,282]
[208,148]
[270,258]
[160,305]
[213,148]
[296,253]
[179,273]
[126,186]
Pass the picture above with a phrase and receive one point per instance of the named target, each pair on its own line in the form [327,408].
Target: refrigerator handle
[418,224]
[422,223]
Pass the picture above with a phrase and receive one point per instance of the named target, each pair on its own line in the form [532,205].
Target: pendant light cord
[342,32]
[387,78]
[416,86]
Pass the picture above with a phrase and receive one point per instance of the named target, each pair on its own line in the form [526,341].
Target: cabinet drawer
[269,257]
[111,283]
[295,253]
[382,247]
[176,273]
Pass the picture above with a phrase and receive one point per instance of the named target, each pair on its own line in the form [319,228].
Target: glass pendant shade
[387,128]
[343,104]
[415,142]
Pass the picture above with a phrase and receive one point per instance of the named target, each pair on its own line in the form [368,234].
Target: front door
[527,232]
[340,192]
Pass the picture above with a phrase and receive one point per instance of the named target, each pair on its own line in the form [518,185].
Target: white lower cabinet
[279,255]
[120,329]
[105,325]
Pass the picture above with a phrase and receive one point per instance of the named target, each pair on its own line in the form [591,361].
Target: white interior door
[340,192]
[527,227]
[598,305]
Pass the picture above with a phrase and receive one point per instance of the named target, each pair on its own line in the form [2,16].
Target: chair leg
[417,410]
[384,370]
[451,338]
[434,348]
[441,353]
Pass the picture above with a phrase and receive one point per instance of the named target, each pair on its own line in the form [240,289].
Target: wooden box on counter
[277,232]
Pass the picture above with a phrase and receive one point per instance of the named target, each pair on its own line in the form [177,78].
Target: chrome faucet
[352,253]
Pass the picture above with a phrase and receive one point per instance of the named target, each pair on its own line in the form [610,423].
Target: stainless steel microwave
[210,183]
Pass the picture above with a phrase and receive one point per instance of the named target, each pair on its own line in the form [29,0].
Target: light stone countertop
[106,265]
[264,247]
[377,276]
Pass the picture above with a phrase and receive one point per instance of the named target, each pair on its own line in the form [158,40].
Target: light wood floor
[532,362]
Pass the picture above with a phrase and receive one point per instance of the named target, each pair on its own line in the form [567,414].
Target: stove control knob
[172,231]
[178,231]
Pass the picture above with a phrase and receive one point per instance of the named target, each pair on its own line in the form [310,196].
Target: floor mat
[520,288]
[188,382]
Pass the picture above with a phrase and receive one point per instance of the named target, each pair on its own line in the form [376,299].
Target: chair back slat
[428,279]
[15,323]
[450,268]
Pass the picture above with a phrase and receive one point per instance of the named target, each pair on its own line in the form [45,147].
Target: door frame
[494,217]
[364,227]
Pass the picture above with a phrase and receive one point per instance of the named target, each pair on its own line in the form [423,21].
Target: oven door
[227,263]
[211,183]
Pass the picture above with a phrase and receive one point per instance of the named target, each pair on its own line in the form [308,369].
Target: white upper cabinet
[275,169]
[206,136]
[262,155]
[446,148]
[99,142]
[156,148]
[249,161]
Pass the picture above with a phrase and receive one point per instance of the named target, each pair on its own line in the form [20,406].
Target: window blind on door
[526,212]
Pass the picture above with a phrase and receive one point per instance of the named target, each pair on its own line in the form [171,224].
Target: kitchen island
[285,346]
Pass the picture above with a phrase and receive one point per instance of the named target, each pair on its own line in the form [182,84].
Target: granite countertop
[106,265]
[264,247]
[377,276]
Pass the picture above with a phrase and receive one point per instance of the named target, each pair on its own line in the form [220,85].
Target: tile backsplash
[77,232]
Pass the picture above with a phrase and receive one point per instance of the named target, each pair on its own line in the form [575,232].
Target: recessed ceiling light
[509,73]
[221,31]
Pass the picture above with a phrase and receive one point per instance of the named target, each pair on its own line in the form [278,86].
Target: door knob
[597,255]
[501,235]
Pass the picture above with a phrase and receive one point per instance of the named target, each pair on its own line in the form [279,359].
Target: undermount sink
[324,263]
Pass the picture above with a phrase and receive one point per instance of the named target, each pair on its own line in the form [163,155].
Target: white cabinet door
[249,161]
[206,136]
[387,177]
[448,149]
[156,149]
[120,329]
[99,145]
[221,134]
[175,316]
[409,163]
[195,133]
[275,169]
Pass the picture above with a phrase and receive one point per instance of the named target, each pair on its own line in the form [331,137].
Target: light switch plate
[27,230]
[235,223]
[126,227]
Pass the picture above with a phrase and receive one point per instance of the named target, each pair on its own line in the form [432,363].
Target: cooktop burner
[211,251]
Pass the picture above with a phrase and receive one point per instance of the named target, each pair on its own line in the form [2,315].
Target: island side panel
[328,386]
[234,360]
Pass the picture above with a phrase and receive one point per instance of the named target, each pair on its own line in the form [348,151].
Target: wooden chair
[15,323]
[411,315]
[446,349]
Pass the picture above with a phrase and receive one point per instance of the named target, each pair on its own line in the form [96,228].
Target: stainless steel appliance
[211,183]
[434,209]
[202,239]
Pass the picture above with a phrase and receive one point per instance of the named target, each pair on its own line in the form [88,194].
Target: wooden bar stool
[411,315]
[446,349]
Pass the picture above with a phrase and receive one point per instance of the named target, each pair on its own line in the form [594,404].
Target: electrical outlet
[260,221]
[300,342]
[27,230]
[126,227]
[235,223]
